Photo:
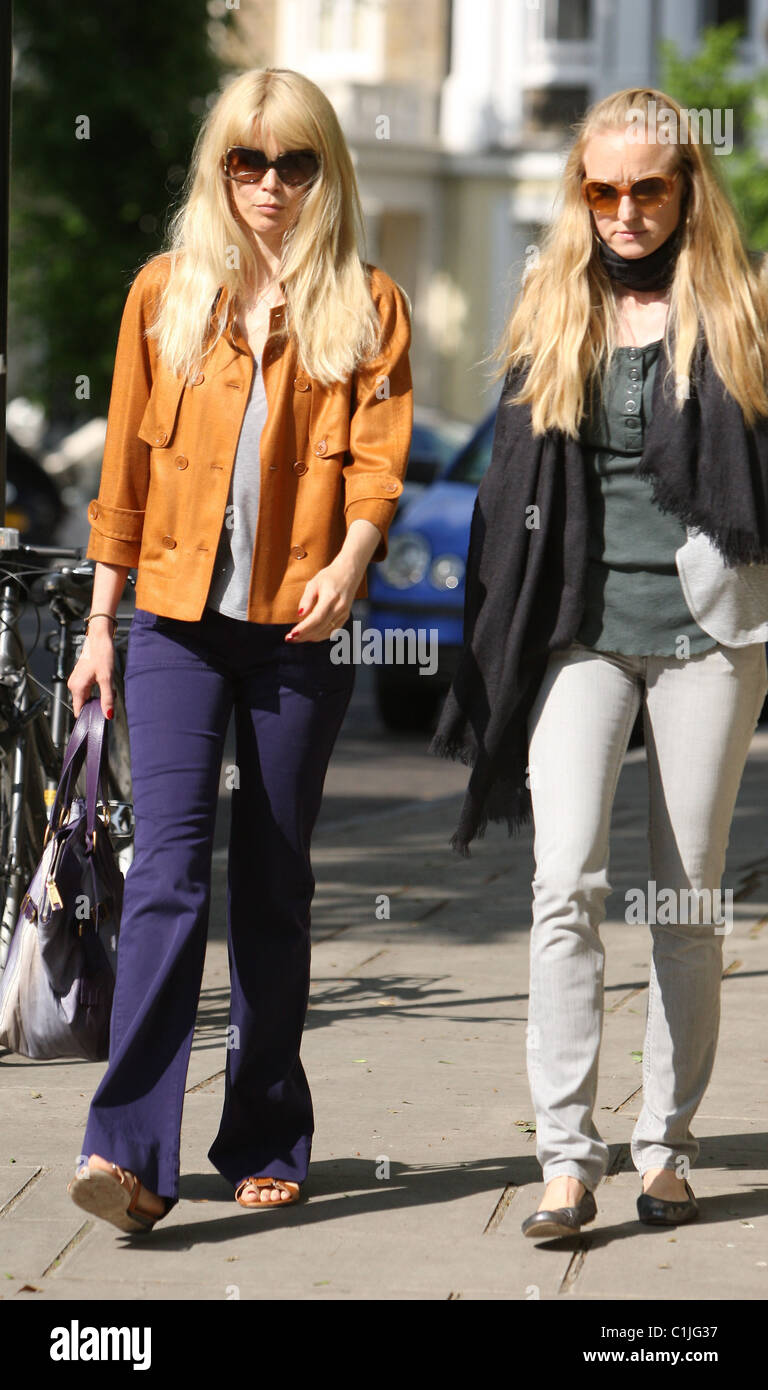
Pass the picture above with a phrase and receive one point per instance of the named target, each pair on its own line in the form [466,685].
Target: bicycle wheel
[22,826]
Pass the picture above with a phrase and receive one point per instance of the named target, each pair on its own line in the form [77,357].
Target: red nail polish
[301,610]
[110,713]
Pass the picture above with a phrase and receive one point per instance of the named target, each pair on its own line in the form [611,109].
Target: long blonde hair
[329,310]
[563,323]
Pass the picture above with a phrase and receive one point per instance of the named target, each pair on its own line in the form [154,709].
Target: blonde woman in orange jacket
[257,439]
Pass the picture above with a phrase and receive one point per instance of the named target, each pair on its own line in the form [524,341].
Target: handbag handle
[89,737]
[95,766]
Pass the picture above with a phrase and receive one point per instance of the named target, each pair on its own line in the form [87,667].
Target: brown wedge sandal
[267,1182]
[97,1192]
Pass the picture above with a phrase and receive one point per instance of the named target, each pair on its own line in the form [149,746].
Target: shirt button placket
[632,432]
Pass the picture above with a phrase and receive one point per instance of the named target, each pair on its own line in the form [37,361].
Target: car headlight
[407,561]
[447,572]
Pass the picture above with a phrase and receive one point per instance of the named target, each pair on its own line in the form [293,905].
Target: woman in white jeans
[618,560]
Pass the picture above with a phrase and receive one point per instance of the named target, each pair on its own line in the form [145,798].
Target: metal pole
[6,59]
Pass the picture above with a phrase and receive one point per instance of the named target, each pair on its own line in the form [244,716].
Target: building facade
[457,113]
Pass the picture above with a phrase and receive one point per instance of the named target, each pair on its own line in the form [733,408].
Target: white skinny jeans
[699,716]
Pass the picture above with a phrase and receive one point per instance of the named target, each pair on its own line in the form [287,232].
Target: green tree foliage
[708,79]
[87,212]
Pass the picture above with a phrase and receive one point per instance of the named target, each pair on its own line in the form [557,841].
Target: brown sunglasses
[650,192]
[294,168]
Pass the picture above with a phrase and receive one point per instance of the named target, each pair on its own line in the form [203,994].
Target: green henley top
[634,599]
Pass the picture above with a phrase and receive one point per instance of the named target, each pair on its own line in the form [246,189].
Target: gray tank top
[228,592]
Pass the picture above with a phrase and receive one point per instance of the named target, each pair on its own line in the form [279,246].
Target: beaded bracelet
[101,615]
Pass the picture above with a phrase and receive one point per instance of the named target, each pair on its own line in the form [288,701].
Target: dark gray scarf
[653,272]
[525,588]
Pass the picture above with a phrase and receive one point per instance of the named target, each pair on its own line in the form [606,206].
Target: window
[474,461]
[553,108]
[325,24]
[723,11]
[345,24]
[568,19]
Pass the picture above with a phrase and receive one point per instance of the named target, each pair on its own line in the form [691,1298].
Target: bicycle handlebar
[64,552]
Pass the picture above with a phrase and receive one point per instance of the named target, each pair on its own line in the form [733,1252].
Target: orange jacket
[328,456]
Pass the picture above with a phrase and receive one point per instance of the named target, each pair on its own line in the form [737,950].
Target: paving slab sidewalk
[424,1157]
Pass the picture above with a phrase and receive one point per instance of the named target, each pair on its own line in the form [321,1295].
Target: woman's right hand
[95,664]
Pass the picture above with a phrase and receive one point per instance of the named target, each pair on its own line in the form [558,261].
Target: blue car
[420,587]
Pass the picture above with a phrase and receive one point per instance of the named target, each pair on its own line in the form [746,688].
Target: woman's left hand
[326,602]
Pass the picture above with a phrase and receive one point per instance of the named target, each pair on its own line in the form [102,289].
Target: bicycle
[36,721]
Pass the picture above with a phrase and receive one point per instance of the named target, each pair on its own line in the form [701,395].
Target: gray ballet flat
[562,1221]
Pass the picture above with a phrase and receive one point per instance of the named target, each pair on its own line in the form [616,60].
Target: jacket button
[321,448]
[390,487]
[299,467]
[199,379]
[93,511]
[273,467]
[298,552]
[161,437]
[169,542]
[301,383]
[181,461]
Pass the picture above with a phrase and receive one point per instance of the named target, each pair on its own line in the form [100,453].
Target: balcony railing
[563,61]
[412,112]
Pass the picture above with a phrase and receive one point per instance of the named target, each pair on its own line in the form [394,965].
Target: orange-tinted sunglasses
[650,192]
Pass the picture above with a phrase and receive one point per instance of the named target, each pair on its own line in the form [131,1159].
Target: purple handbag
[57,986]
